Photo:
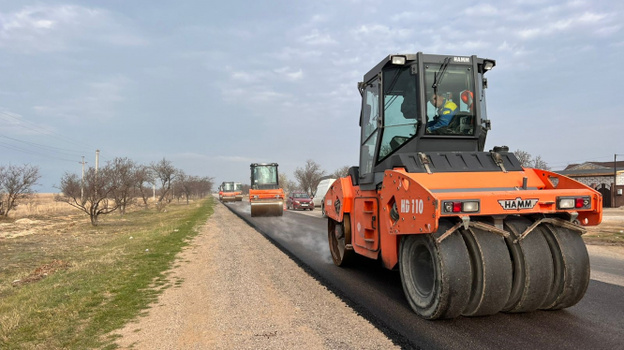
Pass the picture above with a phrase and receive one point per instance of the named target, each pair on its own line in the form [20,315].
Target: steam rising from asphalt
[306,235]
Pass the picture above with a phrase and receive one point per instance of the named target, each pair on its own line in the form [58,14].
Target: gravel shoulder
[235,289]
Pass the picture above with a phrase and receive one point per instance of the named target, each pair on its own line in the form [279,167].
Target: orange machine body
[266,196]
[419,198]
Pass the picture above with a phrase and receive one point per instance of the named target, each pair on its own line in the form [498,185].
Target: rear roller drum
[263,209]
[338,234]
[491,272]
[571,267]
[436,277]
[532,265]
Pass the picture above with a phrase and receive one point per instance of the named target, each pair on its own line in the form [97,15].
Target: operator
[445,110]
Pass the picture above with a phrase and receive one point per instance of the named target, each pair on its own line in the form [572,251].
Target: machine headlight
[398,60]
[470,206]
[573,203]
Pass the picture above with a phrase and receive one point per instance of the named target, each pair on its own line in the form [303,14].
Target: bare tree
[124,178]
[98,185]
[286,184]
[245,187]
[164,172]
[341,172]
[539,163]
[527,160]
[523,157]
[16,184]
[205,186]
[309,176]
[189,186]
[144,182]
[182,187]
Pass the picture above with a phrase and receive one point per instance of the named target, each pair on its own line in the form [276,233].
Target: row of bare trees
[308,177]
[122,182]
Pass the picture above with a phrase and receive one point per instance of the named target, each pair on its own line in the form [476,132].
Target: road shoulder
[234,289]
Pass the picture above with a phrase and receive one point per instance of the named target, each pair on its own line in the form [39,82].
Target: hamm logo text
[518,203]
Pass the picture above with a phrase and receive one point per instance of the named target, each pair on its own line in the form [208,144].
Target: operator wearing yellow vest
[445,110]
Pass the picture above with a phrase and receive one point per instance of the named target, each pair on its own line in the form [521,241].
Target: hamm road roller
[266,198]
[471,232]
[238,191]
[230,192]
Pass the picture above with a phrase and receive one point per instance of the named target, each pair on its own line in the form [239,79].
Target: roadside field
[65,284]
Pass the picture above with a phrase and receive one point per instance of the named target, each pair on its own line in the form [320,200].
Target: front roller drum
[436,276]
[267,208]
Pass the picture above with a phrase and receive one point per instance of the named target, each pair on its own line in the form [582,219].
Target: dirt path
[238,291]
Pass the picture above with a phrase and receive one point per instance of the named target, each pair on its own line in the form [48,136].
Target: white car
[319,194]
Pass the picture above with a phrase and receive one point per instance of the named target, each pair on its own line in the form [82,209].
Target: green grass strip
[113,275]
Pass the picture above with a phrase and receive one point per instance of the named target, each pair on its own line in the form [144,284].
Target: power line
[26,124]
[43,147]
[15,148]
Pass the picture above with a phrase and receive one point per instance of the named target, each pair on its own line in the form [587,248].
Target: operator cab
[264,176]
[227,186]
[418,104]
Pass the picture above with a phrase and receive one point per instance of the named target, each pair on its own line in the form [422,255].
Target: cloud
[482,10]
[98,101]
[53,28]
[586,21]
[246,77]
[316,38]
[290,74]
[235,159]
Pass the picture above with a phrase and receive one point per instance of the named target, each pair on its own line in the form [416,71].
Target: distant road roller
[238,191]
[266,198]
[471,232]
[230,192]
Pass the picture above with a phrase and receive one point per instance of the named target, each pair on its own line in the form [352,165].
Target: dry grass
[610,231]
[40,204]
[41,214]
[65,283]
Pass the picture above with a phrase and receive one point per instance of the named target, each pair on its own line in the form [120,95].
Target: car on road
[319,194]
[299,201]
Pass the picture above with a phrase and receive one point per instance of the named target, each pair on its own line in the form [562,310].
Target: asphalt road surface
[596,322]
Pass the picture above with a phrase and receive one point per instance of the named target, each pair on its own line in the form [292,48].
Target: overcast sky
[214,86]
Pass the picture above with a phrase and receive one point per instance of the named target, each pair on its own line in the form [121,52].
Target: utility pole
[614,191]
[97,166]
[82,181]
[97,160]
